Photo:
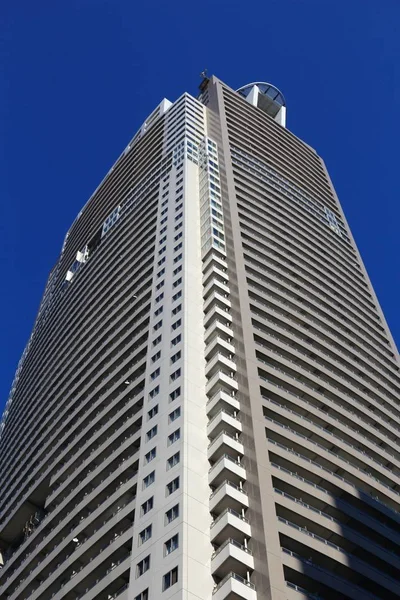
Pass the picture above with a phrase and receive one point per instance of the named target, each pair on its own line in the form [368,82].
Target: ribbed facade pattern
[208,405]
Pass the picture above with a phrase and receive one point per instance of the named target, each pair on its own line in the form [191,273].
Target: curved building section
[207,407]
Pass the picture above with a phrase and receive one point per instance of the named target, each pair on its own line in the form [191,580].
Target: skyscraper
[208,405]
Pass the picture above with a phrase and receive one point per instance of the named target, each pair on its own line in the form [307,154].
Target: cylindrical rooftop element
[267,97]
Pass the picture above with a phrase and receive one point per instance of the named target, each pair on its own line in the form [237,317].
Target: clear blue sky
[77,78]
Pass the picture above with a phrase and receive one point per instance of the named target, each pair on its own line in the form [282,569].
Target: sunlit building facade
[208,405]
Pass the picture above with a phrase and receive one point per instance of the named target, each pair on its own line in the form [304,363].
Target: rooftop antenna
[205,79]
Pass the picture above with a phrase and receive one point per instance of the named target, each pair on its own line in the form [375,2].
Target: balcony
[228,495]
[230,524]
[231,556]
[217,313]
[221,380]
[213,259]
[295,592]
[221,300]
[218,343]
[224,421]
[215,286]
[221,400]
[220,361]
[218,328]
[226,468]
[234,587]
[225,443]
[216,272]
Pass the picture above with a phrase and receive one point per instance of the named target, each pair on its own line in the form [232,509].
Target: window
[149,479]
[147,506]
[145,535]
[177,324]
[177,282]
[179,235]
[175,414]
[177,258]
[143,566]
[156,356]
[170,578]
[177,309]
[174,437]
[160,297]
[160,285]
[164,211]
[162,261]
[163,249]
[163,230]
[178,206]
[176,340]
[151,433]
[172,514]
[110,220]
[177,295]
[154,392]
[175,394]
[158,311]
[173,460]
[163,220]
[163,239]
[157,340]
[155,373]
[161,272]
[178,216]
[152,412]
[175,357]
[171,545]
[150,455]
[158,325]
[178,247]
[175,375]
[143,595]
[177,270]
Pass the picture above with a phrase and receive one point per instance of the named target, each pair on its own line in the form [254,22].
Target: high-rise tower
[208,405]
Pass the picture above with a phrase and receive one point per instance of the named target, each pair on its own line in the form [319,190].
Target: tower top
[267,97]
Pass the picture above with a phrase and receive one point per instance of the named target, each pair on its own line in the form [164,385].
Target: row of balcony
[232,562]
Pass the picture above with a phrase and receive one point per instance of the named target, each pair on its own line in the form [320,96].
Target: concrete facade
[207,408]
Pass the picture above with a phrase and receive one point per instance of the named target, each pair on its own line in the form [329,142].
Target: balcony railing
[235,576]
[225,456]
[303,591]
[361,591]
[223,432]
[270,441]
[231,512]
[233,543]
[338,549]
[337,456]
[296,414]
[342,525]
[230,483]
